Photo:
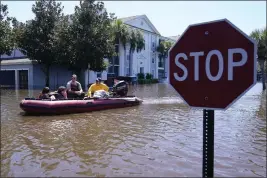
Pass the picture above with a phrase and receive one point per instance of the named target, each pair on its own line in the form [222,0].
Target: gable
[141,22]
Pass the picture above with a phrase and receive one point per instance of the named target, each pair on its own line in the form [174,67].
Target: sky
[170,18]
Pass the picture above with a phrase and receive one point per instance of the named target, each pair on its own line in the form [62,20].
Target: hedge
[147,81]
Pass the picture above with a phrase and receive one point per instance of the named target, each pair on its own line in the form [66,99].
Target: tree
[6,40]
[137,44]
[38,40]
[163,49]
[260,35]
[89,37]
[121,34]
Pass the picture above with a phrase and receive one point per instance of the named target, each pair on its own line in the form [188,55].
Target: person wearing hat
[97,86]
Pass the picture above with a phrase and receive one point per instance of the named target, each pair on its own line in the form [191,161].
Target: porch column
[157,67]
[16,79]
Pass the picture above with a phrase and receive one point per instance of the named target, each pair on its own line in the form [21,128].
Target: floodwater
[161,137]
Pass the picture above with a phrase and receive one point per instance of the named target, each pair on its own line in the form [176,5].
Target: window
[110,69]
[117,48]
[128,57]
[127,71]
[153,73]
[110,60]
[98,74]
[141,69]
[116,70]
[153,60]
[116,60]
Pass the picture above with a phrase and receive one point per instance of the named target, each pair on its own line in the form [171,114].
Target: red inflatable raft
[34,106]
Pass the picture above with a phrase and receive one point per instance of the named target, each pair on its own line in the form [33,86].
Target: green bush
[154,80]
[141,81]
[141,76]
[149,76]
[147,81]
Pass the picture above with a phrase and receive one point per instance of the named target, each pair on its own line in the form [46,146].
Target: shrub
[141,76]
[141,81]
[147,81]
[155,80]
[149,76]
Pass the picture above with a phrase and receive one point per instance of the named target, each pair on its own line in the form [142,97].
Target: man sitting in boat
[96,87]
[45,94]
[74,88]
[61,93]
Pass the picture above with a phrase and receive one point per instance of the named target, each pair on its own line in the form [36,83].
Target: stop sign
[212,64]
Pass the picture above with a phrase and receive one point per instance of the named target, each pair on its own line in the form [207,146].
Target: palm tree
[140,42]
[133,42]
[137,44]
[163,49]
[260,36]
[125,35]
[121,34]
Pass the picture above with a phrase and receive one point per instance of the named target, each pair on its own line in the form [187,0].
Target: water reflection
[161,137]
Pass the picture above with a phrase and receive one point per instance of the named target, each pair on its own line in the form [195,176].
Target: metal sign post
[208,143]
[207,68]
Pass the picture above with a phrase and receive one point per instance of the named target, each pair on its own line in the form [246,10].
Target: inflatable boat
[36,106]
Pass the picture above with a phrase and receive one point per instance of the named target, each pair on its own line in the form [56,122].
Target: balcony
[116,60]
[161,64]
[117,48]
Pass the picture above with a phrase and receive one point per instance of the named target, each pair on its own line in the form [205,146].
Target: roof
[17,61]
[127,19]
[15,54]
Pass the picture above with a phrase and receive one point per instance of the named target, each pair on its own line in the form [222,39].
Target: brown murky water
[161,137]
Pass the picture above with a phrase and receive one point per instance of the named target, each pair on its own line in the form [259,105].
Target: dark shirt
[74,86]
[44,96]
[60,96]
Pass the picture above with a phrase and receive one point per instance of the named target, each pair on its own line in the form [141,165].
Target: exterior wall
[16,68]
[59,76]
[143,58]
[148,58]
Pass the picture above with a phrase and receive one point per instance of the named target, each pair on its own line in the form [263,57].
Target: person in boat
[97,86]
[74,88]
[61,93]
[45,94]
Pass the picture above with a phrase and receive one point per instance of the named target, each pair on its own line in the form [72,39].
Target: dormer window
[142,23]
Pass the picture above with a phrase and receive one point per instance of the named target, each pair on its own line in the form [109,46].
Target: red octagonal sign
[212,64]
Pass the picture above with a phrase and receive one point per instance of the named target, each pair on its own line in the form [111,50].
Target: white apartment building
[147,60]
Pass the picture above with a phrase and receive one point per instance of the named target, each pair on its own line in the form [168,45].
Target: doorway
[23,79]
[142,70]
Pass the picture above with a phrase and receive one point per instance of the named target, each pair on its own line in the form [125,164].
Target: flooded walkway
[161,137]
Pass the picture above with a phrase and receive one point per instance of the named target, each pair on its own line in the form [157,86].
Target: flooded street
[161,137]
